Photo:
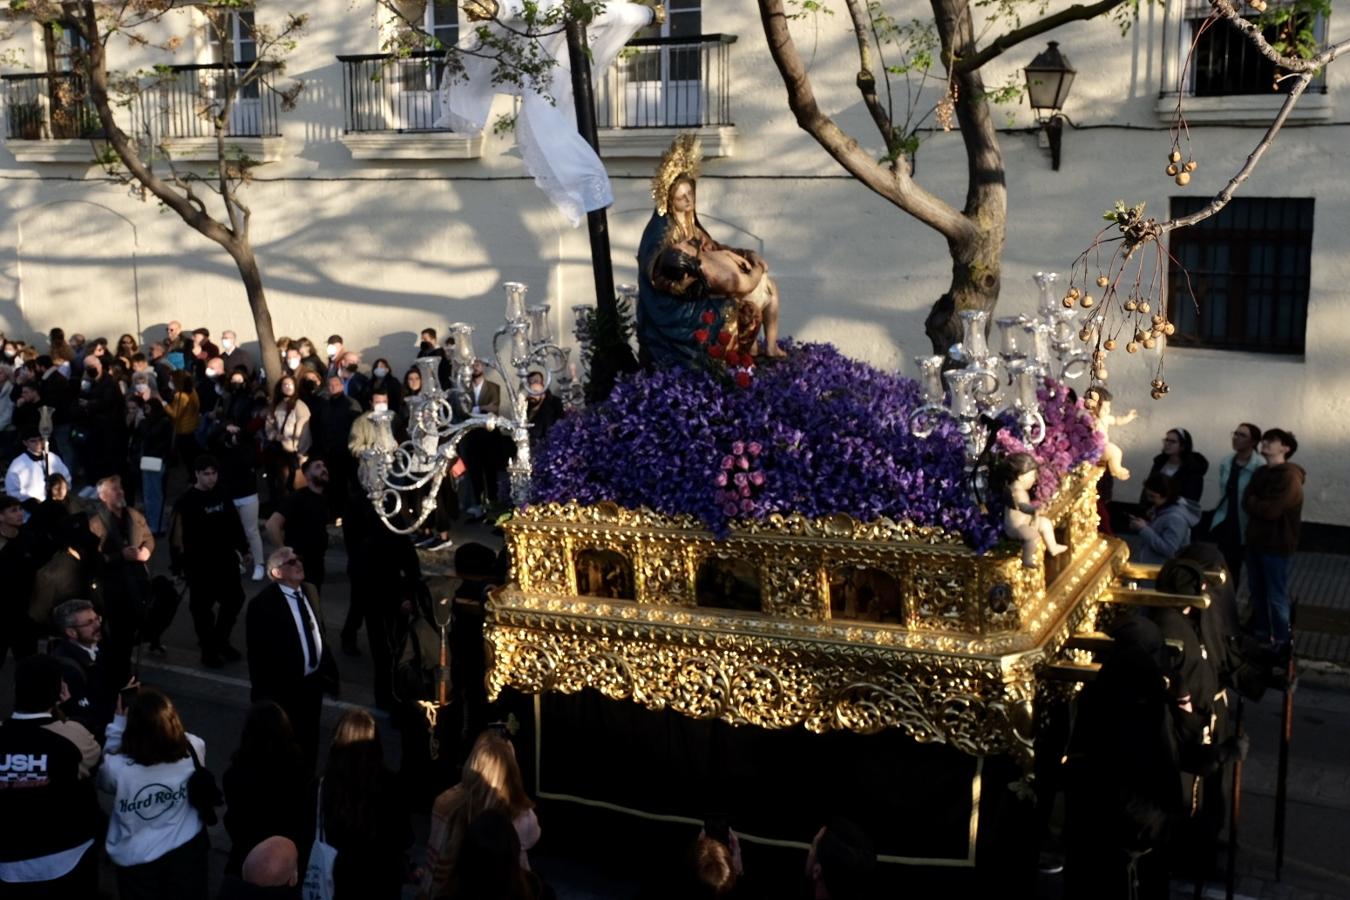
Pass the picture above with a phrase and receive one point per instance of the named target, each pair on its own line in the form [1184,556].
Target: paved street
[1316,865]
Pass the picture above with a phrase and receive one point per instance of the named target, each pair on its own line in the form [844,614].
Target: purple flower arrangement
[816,433]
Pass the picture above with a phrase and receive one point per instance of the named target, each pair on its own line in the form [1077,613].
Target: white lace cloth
[558,158]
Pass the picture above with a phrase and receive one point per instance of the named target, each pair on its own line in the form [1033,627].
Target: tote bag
[318,884]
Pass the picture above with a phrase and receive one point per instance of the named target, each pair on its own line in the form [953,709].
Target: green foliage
[1292,28]
[801,9]
[1123,215]
[608,330]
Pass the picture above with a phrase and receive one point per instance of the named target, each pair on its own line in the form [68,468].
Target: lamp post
[1049,77]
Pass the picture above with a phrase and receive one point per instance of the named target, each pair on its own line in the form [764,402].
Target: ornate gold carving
[960,667]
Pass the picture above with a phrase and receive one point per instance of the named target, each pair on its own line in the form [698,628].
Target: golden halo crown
[682,158]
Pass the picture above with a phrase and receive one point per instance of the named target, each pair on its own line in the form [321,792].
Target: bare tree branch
[867,79]
[1225,9]
[1222,198]
[890,182]
[1004,42]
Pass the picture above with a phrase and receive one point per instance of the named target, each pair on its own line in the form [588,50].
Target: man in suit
[482,450]
[92,698]
[289,660]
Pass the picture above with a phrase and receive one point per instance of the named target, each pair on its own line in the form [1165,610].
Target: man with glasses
[289,660]
[92,698]
[206,545]
[1228,526]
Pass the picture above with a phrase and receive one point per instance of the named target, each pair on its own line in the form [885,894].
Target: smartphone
[128,693]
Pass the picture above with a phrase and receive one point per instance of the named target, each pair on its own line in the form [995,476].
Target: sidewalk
[1320,586]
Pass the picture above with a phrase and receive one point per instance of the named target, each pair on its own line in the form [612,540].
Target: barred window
[1224,62]
[1239,280]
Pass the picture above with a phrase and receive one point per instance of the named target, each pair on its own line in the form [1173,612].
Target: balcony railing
[47,106]
[668,83]
[179,105]
[656,83]
[183,101]
[392,93]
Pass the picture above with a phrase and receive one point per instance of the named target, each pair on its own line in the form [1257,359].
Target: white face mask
[292,362]
[227,344]
[212,373]
[380,407]
[381,371]
[332,350]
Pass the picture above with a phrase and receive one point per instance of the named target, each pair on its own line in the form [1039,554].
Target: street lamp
[1049,77]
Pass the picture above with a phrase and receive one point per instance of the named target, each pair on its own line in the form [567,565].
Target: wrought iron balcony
[182,102]
[179,104]
[668,83]
[49,106]
[656,83]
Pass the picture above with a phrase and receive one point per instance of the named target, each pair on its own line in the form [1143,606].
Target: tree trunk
[244,258]
[977,258]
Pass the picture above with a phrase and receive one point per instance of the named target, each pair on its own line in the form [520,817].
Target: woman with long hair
[288,437]
[156,839]
[490,781]
[1179,461]
[490,866]
[185,411]
[362,813]
[383,381]
[266,784]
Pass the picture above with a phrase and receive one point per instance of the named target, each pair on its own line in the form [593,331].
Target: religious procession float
[772,580]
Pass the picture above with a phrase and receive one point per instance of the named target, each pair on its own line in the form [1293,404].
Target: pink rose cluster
[1071,438]
[739,478]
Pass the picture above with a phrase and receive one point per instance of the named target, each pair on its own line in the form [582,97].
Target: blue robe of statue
[666,323]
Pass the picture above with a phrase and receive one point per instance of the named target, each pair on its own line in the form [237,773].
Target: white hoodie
[151,814]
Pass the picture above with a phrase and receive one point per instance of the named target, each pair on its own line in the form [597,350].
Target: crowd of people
[110,451]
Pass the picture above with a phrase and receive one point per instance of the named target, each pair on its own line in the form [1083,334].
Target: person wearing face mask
[335,349]
[211,387]
[101,420]
[354,384]
[288,437]
[233,355]
[383,382]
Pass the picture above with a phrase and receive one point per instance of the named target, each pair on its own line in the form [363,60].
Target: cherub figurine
[1100,401]
[1022,521]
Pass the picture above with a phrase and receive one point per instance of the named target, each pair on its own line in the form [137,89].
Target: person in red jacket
[1274,504]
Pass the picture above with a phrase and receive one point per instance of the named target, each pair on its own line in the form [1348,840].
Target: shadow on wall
[50,288]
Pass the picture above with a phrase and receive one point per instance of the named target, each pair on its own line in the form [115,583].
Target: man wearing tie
[288,658]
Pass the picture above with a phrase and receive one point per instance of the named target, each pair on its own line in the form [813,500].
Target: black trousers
[215,599]
[179,874]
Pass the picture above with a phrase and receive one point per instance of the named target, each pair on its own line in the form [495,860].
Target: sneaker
[473,513]
[258,573]
[426,542]
[440,544]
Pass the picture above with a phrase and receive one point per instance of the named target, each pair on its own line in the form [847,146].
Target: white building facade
[370,223]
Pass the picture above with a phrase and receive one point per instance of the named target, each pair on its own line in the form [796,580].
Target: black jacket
[206,534]
[45,806]
[276,652]
[92,698]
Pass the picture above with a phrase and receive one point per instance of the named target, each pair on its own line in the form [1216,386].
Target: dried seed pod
[1103,281]
[1132,347]
[1169,329]
[1156,394]
[1139,335]
[1172,169]
[1191,166]
[1075,293]
[1130,305]
[1150,343]
[1087,302]
[1183,178]
[1174,156]
[1068,303]
[1157,383]
[1110,344]
[1144,307]
[1085,335]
